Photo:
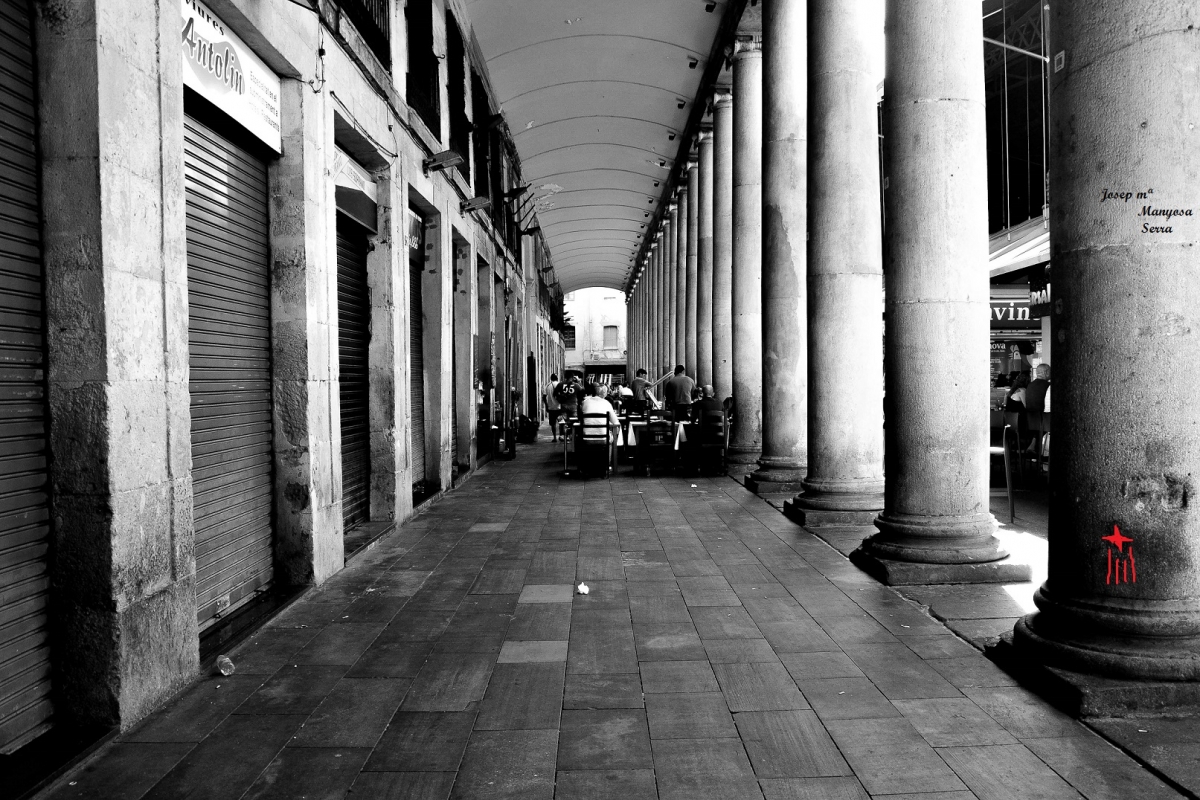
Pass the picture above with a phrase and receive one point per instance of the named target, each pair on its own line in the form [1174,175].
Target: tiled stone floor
[722,652]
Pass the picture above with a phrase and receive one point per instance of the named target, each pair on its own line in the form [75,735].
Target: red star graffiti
[1123,569]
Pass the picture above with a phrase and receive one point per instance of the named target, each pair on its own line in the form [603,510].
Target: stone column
[672,239]
[651,290]
[745,437]
[704,261]
[693,254]
[722,242]
[1123,593]
[681,281]
[935,527]
[785,201]
[845,272]
[660,291]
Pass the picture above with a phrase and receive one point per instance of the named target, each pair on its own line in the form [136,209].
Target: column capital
[703,135]
[749,44]
[672,208]
[722,99]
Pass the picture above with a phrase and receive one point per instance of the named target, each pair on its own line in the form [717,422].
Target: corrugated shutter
[25,707]
[416,367]
[229,333]
[454,387]
[354,337]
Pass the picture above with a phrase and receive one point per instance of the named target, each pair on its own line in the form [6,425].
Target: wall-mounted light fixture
[439,161]
[475,204]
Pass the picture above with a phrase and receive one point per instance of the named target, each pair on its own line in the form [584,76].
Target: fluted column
[722,243]
[845,271]
[651,297]
[671,238]
[784,301]
[659,329]
[681,282]
[935,526]
[1123,593]
[704,261]
[745,436]
[693,255]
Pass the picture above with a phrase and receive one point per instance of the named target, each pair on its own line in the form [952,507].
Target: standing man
[678,391]
[549,397]
[639,385]
[1035,393]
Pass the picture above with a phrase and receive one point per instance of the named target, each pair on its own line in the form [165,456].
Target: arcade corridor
[721,652]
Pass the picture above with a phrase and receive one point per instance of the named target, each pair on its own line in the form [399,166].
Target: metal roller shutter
[454,387]
[416,368]
[229,334]
[354,337]
[25,707]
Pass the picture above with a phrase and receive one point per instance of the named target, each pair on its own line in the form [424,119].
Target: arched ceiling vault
[598,95]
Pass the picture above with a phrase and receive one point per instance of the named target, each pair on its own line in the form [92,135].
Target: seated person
[708,402]
[1015,399]
[595,403]
[1035,393]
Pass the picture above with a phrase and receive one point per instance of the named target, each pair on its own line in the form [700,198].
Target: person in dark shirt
[1035,393]
[678,390]
[708,401]
[639,385]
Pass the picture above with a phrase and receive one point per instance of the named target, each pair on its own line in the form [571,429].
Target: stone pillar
[122,564]
[785,200]
[672,280]
[722,243]
[704,261]
[745,436]
[935,527]
[681,280]
[651,289]
[660,307]
[1123,593]
[845,272]
[693,254]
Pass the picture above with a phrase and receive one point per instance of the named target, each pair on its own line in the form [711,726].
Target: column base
[815,508]
[910,573]
[776,476]
[1087,695]
[965,539]
[1104,639]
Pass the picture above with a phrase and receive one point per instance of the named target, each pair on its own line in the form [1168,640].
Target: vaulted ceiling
[596,93]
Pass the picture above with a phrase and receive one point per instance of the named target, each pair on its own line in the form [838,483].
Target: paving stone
[449,682]
[339,644]
[476,623]
[541,622]
[1002,772]
[724,622]
[600,648]
[656,610]
[610,739]
[552,567]
[126,771]
[649,573]
[890,757]
[818,789]
[789,744]
[703,769]
[354,714]
[229,759]
[758,686]
[653,589]
[269,649]
[945,645]
[500,765]
[1024,714]
[752,574]
[689,716]
[1099,770]
[899,673]
[423,742]
[953,722]
[729,651]
[669,641]
[373,608]
[660,677]
[416,626]
[391,660]
[696,567]
[708,591]
[494,603]
[632,784]
[522,696]
[603,596]
[599,568]
[815,666]
[314,773]
[846,698]
[403,785]
[531,652]
[756,591]
[603,691]
[293,690]
[547,593]
[971,671]
[488,527]
[194,714]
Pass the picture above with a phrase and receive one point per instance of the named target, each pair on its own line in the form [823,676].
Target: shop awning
[1019,247]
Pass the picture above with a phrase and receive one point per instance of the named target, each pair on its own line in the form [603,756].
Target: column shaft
[681,281]
[936,504]
[693,245]
[722,243]
[672,237]
[1123,593]
[745,439]
[785,200]
[845,271]
[704,262]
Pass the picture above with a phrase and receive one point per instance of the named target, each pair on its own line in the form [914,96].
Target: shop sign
[1039,294]
[220,68]
[1008,307]
[355,192]
[413,234]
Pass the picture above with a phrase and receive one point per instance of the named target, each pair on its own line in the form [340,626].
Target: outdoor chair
[593,448]
[712,442]
[656,446]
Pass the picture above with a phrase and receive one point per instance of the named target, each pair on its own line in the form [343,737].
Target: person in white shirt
[595,404]
[553,409]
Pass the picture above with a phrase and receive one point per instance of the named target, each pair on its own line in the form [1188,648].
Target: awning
[1020,247]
